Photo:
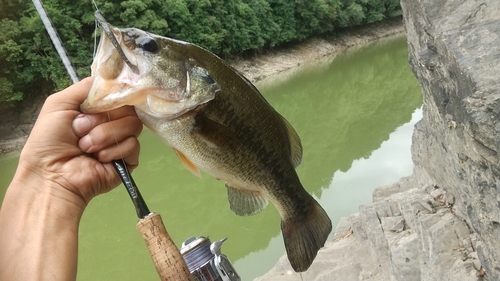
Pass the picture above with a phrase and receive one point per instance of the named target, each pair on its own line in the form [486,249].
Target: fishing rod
[167,259]
[198,258]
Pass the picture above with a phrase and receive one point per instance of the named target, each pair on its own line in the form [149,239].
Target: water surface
[355,115]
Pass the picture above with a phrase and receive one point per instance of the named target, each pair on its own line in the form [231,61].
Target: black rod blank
[140,205]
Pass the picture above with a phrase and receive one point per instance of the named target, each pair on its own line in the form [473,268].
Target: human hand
[74,150]
[64,164]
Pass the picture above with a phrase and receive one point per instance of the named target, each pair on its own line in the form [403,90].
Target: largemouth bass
[216,121]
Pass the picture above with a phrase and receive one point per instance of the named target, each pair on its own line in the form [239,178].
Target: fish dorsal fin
[188,164]
[245,202]
[295,144]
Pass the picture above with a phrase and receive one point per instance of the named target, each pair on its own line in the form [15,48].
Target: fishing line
[121,168]
[95,30]
[125,167]
[95,39]
[93,57]
[117,145]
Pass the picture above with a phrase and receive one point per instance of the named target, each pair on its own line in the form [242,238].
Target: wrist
[35,188]
[38,218]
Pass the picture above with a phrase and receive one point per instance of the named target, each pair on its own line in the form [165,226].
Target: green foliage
[30,64]
[359,12]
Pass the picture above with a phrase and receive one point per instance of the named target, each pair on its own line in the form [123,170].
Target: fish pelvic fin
[305,235]
[188,164]
[295,143]
[245,202]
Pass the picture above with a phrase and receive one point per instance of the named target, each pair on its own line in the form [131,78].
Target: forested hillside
[30,65]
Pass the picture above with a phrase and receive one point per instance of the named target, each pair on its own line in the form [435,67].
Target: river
[355,114]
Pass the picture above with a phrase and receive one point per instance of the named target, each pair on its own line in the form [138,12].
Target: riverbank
[272,62]
[17,123]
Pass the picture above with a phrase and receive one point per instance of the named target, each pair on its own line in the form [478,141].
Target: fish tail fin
[305,235]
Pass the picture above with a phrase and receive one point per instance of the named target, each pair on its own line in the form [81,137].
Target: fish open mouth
[133,67]
[107,29]
[112,87]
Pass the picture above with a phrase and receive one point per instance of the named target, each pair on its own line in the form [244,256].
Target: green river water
[355,115]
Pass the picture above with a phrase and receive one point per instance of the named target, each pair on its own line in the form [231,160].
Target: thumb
[71,97]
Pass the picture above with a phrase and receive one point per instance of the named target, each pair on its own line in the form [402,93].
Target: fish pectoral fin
[295,144]
[188,164]
[245,202]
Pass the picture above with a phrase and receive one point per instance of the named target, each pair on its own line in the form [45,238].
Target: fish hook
[106,28]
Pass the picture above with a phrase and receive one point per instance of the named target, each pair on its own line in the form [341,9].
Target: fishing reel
[205,261]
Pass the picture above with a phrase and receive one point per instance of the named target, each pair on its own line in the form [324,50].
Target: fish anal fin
[305,235]
[188,164]
[295,144]
[245,202]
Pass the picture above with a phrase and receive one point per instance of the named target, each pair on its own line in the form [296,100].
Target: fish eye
[147,44]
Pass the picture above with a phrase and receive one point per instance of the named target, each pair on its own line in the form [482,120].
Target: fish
[216,121]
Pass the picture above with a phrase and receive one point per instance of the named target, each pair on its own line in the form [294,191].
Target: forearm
[38,230]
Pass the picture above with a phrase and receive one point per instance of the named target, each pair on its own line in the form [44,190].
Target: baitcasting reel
[205,261]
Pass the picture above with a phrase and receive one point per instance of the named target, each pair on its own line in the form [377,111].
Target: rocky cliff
[443,222]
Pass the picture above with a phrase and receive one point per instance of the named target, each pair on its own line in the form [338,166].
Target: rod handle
[167,259]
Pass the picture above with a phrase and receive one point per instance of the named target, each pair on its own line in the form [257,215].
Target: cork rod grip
[166,256]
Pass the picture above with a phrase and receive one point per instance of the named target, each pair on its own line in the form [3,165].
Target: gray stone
[405,256]
[457,141]
[385,191]
[395,224]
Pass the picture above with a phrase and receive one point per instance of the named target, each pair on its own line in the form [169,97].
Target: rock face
[455,54]
[443,222]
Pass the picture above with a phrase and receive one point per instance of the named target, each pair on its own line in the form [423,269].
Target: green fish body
[216,121]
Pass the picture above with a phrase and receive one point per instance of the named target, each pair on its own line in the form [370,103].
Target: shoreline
[256,67]
[271,62]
